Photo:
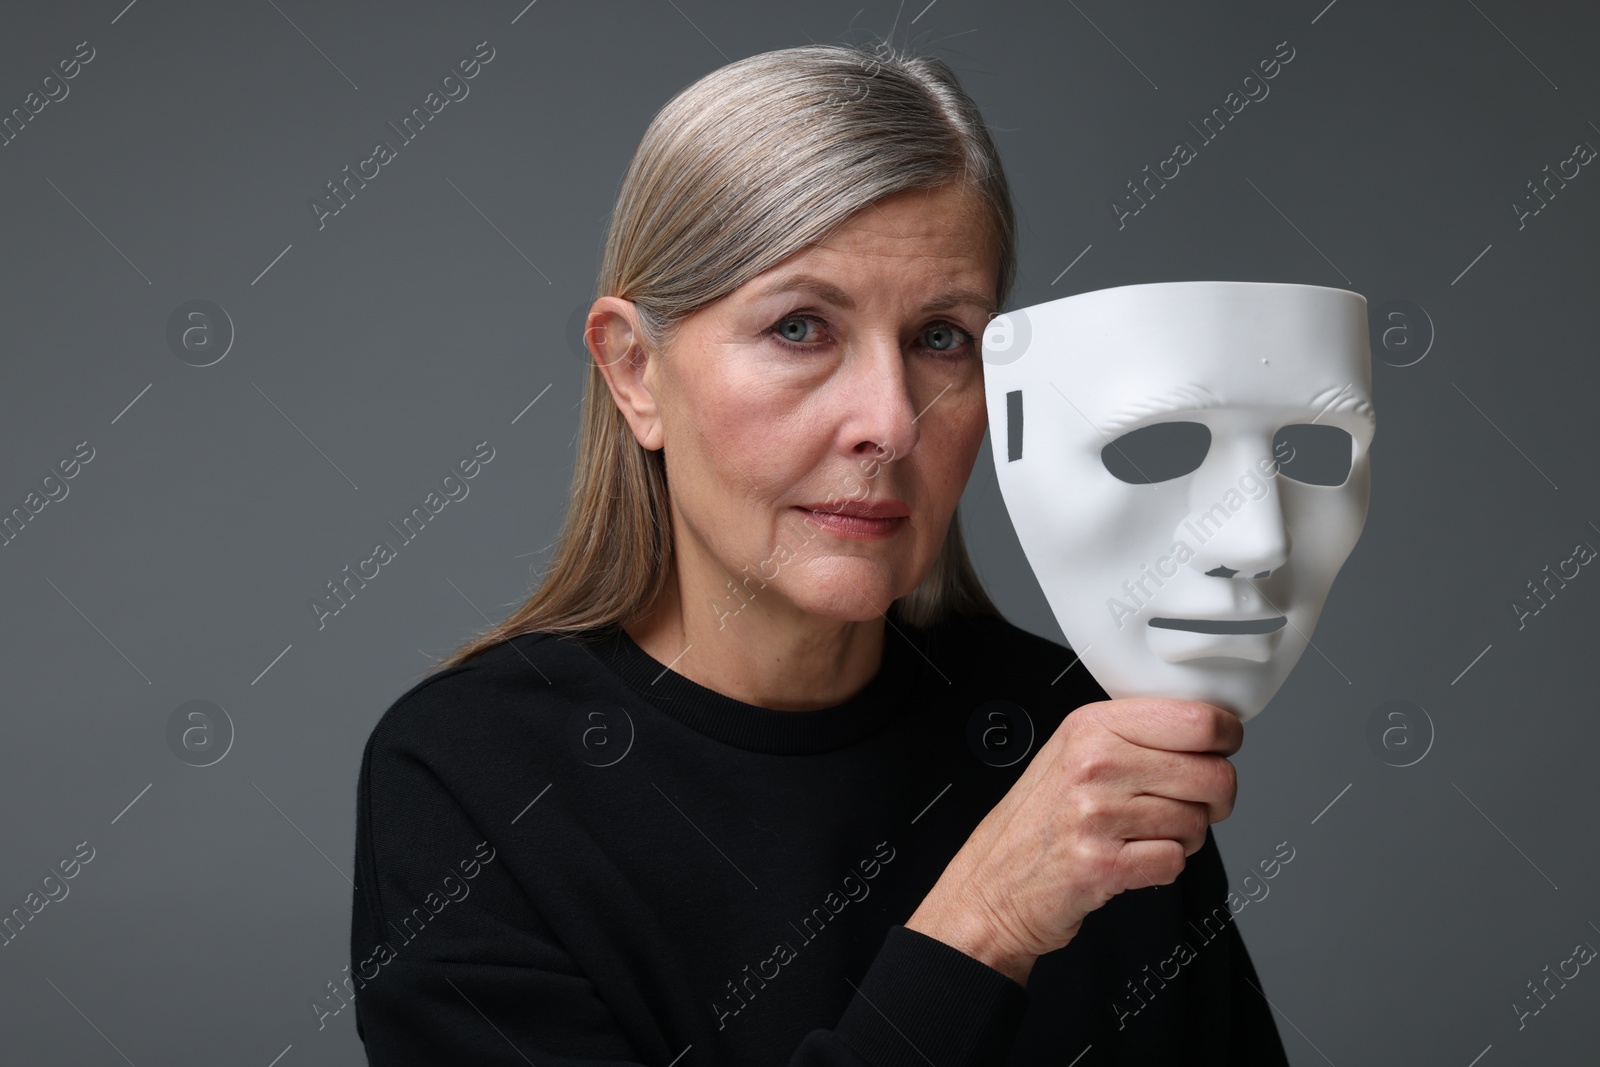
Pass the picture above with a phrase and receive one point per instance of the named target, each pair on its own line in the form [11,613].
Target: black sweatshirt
[567,853]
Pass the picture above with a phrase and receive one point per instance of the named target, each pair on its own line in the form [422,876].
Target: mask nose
[1236,514]
[1221,571]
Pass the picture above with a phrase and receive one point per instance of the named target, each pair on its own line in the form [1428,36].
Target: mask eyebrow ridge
[1189,397]
[1333,398]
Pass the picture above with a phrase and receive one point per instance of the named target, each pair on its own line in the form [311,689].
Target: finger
[1193,777]
[1170,724]
[1117,767]
[1142,818]
[1151,863]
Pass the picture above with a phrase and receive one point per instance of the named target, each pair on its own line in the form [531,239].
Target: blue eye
[949,342]
[947,332]
[788,326]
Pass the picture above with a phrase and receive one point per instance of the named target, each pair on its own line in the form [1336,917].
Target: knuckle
[1098,716]
[1094,809]
[1198,715]
[1211,725]
[1091,765]
[1097,861]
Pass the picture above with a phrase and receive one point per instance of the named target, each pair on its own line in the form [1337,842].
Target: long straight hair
[740,170]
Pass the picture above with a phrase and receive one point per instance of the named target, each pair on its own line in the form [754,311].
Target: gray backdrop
[230,458]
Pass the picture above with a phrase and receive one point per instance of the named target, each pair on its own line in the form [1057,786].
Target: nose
[1236,514]
[876,394]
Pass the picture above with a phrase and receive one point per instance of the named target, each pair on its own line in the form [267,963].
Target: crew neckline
[761,729]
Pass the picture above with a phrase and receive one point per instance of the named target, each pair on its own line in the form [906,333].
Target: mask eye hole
[1157,453]
[1314,453]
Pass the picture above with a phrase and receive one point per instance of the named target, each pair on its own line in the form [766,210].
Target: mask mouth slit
[1223,626]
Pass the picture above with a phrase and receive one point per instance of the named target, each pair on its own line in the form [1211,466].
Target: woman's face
[848,376]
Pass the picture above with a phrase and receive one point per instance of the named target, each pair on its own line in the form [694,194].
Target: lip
[863,509]
[858,520]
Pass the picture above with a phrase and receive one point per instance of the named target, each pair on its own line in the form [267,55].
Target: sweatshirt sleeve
[922,1001]
[485,980]
[432,1012]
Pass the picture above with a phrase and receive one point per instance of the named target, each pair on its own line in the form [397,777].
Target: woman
[747,779]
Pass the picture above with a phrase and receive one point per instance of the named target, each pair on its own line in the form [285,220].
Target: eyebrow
[827,291]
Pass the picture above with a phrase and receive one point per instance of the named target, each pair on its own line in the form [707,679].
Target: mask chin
[1180,646]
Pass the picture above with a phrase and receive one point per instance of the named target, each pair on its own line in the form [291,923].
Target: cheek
[736,439]
[1329,518]
[1063,489]
[1324,525]
[973,425]
[726,409]
[955,438]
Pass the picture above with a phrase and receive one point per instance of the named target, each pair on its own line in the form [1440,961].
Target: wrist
[970,930]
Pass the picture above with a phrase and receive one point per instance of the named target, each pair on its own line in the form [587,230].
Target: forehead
[933,209]
[943,228]
[1131,356]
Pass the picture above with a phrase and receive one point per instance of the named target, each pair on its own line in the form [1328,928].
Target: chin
[850,594]
[847,606]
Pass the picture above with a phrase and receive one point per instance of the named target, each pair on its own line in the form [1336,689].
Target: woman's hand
[1118,798]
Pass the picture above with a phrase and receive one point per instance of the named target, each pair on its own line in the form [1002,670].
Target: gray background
[429,314]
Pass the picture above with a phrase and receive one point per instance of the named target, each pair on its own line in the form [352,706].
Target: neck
[763,650]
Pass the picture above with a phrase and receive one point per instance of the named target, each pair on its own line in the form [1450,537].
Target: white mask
[1192,559]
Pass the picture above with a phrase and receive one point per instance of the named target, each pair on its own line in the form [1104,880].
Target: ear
[611,333]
